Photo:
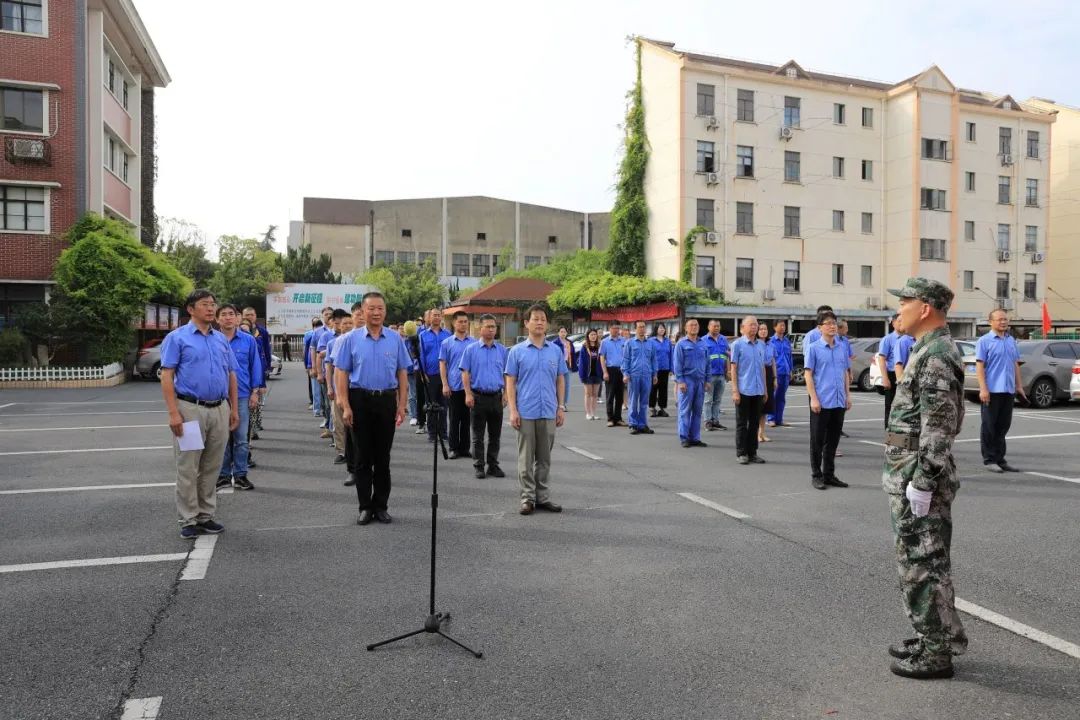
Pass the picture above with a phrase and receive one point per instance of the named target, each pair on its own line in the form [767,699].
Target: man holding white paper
[198,378]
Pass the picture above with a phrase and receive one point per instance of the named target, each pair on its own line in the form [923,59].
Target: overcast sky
[384,99]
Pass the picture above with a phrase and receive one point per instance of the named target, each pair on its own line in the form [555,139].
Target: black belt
[196,401]
[904,441]
[489,393]
[374,393]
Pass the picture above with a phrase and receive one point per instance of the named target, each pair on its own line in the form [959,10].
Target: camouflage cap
[929,291]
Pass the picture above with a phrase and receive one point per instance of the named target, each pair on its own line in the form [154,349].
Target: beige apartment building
[463,236]
[822,189]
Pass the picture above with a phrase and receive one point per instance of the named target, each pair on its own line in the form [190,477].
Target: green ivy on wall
[630,216]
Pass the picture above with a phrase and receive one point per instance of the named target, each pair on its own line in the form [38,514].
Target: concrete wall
[662,91]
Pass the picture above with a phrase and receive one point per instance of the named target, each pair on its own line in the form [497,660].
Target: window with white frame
[1031,286]
[792,221]
[22,110]
[1004,189]
[481,265]
[116,79]
[839,113]
[23,16]
[706,213]
[935,149]
[868,117]
[706,99]
[744,218]
[460,264]
[384,257]
[1033,144]
[706,271]
[1004,141]
[837,274]
[932,199]
[867,276]
[22,209]
[791,276]
[706,158]
[969,181]
[1003,237]
[971,132]
[744,274]
[792,111]
[1032,199]
[1002,285]
[931,248]
[1031,238]
[744,161]
[745,107]
[838,220]
[792,166]
[867,169]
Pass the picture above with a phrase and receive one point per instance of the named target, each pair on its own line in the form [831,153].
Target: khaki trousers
[535,440]
[339,428]
[197,470]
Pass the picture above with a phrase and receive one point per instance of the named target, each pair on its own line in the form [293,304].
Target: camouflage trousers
[923,555]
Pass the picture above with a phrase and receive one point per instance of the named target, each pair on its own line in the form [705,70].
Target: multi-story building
[822,189]
[464,237]
[76,121]
[1063,246]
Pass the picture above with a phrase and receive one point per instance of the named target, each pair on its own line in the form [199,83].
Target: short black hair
[824,316]
[226,306]
[640,321]
[613,323]
[197,295]
[824,308]
[535,309]
[373,294]
[316,322]
[460,313]
[340,313]
[488,316]
[357,305]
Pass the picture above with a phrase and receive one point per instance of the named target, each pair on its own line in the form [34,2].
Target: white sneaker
[322,424]
[412,421]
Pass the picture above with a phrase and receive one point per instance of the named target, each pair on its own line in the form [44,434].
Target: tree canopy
[243,272]
[607,290]
[298,266]
[409,289]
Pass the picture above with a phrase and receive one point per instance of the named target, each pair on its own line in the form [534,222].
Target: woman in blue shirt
[663,349]
[590,372]
[770,378]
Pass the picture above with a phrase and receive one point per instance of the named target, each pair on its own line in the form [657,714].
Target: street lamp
[997,301]
[673,241]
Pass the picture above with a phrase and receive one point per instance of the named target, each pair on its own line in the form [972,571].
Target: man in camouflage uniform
[920,477]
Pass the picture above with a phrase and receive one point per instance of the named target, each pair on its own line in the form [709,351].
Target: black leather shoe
[698,443]
[480,473]
[757,460]
[648,430]
[635,431]
[687,443]
[383,517]
[818,483]
[366,516]
[339,460]
[549,506]
[662,413]
[495,471]
[350,481]
[835,482]
[1007,467]
[251,462]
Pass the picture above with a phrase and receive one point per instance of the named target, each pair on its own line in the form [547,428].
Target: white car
[1074,384]
[966,349]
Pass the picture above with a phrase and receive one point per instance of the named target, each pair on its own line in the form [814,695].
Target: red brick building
[77,79]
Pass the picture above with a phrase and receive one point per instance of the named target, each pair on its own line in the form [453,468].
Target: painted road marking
[585,453]
[846,421]
[1010,438]
[142,709]
[85,427]
[1052,477]
[79,488]
[6,405]
[715,506]
[1045,416]
[96,402]
[93,562]
[1027,631]
[86,450]
[199,558]
[102,412]
[871,442]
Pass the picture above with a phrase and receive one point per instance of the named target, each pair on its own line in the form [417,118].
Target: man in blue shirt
[344,327]
[717,347]
[249,379]
[371,381]
[782,350]
[319,399]
[639,373]
[663,349]
[748,390]
[888,375]
[901,349]
[997,365]
[611,359]
[815,332]
[312,390]
[266,352]
[483,366]
[827,366]
[535,377]
[430,341]
[453,390]
[198,382]
[690,364]
[329,331]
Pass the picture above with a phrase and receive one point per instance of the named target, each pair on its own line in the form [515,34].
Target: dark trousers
[434,389]
[487,413]
[307,381]
[421,401]
[350,448]
[615,391]
[286,351]
[372,435]
[889,395]
[459,423]
[658,394]
[825,427]
[996,421]
[747,418]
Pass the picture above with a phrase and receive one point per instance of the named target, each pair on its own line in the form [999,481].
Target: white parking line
[846,421]
[95,402]
[93,562]
[142,709]
[102,412]
[1052,477]
[79,488]
[1062,646]
[1047,416]
[871,442]
[715,506]
[1010,438]
[84,427]
[6,405]
[585,453]
[199,559]
[86,450]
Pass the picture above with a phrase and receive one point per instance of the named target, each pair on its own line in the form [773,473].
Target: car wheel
[797,376]
[864,381]
[156,371]
[1043,393]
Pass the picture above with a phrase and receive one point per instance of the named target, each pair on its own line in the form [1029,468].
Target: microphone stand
[433,622]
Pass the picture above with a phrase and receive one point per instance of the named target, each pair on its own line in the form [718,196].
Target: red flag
[1046,320]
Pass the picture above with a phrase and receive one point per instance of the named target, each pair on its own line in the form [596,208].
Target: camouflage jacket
[929,404]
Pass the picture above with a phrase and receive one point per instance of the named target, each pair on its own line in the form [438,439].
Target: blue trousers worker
[236,447]
[779,400]
[691,402]
[639,385]
[712,400]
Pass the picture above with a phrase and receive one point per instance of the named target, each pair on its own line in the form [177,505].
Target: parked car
[148,360]
[966,348]
[1074,384]
[1046,371]
[865,352]
[275,366]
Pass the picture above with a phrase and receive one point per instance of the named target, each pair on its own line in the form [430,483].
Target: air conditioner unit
[768,294]
[1006,159]
[711,238]
[711,123]
[1006,303]
[873,302]
[28,149]
[712,178]
[1038,257]
[1004,255]
[786,133]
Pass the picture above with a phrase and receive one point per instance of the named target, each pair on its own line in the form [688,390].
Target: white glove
[919,499]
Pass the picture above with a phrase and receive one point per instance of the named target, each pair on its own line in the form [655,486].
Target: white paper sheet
[192,437]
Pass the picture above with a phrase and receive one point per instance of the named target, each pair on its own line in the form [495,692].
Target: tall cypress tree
[630,216]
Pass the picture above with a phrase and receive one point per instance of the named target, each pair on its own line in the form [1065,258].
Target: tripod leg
[463,647]
[395,639]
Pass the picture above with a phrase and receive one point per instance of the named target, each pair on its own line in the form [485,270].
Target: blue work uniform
[689,365]
[639,368]
[202,362]
[784,364]
[900,351]
[430,343]
[249,376]
[829,365]
[486,365]
[536,370]
[717,349]
[662,348]
[748,357]
[450,352]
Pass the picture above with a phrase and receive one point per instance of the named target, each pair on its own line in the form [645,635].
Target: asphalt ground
[635,602]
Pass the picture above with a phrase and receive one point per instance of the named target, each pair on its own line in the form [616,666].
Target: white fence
[55,374]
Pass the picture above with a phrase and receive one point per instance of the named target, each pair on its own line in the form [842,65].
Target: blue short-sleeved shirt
[749,360]
[307,347]
[450,352]
[535,370]
[330,346]
[829,365]
[612,349]
[843,340]
[430,344]
[690,360]
[999,355]
[770,353]
[372,363]
[900,351]
[324,340]
[662,349]
[639,358]
[486,365]
[782,350]
[885,348]
[202,362]
[810,338]
[249,370]
[717,349]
